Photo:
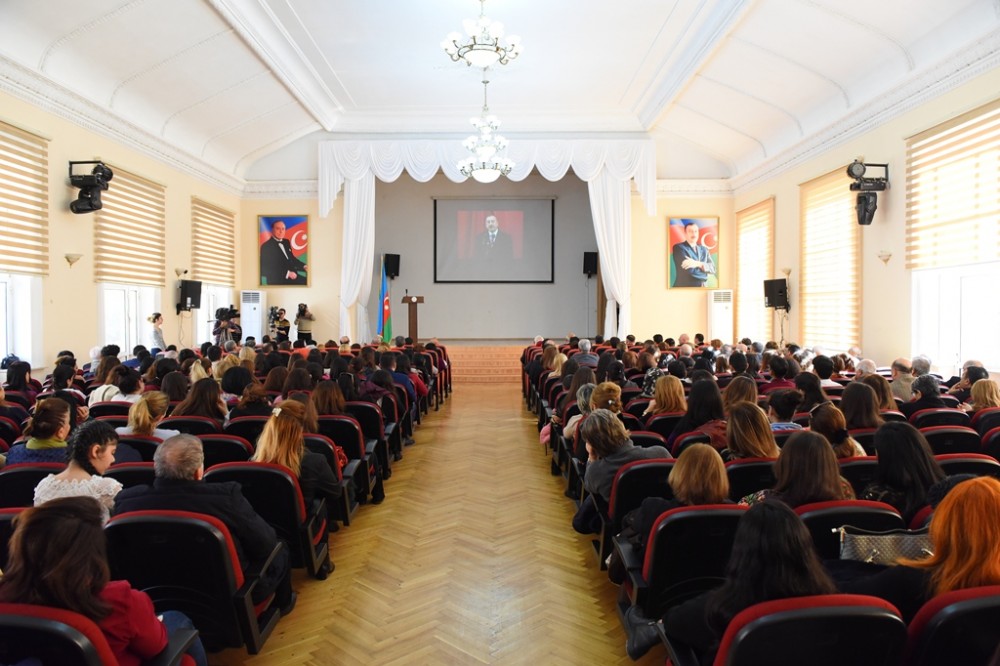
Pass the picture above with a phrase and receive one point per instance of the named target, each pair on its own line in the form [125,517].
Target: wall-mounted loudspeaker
[776,294]
[392,266]
[190,295]
[590,263]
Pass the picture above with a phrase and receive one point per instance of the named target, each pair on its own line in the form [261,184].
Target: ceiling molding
[265,36]
[965,65]
[692,188]
[710,36]
[44,94]
[282,189]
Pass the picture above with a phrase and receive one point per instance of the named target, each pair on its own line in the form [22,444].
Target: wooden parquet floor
[471,559]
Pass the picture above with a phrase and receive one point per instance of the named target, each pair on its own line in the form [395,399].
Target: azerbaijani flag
[385,312]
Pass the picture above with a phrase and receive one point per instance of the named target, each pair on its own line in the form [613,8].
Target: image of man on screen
[493,245]
[692,262]
[278,265]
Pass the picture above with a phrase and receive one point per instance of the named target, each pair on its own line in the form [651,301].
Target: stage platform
[485,361]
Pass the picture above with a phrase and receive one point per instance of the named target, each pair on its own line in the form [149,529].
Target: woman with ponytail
[146,414]
[91,451]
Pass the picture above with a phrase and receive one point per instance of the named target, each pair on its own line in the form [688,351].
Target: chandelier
[485,47]
[486,163]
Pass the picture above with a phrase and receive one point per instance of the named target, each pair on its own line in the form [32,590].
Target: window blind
[830,263]
[953,192]
[213,244]
[754,264]
[129,232]
[24,202]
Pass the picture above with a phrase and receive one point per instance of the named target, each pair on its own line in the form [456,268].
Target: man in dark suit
[692,262]
[494,245]
[278,265]
[180,465]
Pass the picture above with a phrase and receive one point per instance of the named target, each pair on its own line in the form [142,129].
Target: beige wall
[69,318]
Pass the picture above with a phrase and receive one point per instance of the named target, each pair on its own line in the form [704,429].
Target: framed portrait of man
[693,243]
[283,241]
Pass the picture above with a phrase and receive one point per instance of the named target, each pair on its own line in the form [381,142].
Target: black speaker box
[190,296]
[776,294]
[590,263]
[392,266]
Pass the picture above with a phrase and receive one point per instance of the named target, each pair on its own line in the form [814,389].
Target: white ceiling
[243,90]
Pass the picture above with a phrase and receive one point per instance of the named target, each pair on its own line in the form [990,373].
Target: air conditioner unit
[252,313]
[720,315]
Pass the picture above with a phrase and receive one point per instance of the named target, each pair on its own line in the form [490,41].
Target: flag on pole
[385,312]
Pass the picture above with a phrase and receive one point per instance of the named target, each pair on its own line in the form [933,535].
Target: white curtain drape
[611,208]
[607,165]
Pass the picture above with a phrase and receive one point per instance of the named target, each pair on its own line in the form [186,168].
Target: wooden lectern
[413,302]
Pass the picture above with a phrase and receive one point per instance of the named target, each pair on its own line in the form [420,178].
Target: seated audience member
[108,377]
[328,399]
[91,452]
[739,389]
[583,375]
[781,406]
[865,367]
[145,415]
[205,399]
[748,433]
[584,395]
[47,432]
[62,380]
[609,448]
[921,365]
[773,558]
[388,362]
[404,366]
[179,464]
[926,395]
[129,383]
[738,363]
[175,386]
[828,421]
[281,443]
[823,367]
[12,410]
[19,379]
[668,397]
[965,535]
[253,402]
[985,394]
[883,392]
[805,472]
[603,361]
[616,375]
[906,469]
[705,412]
[860,406]
[778,366]
[972,372]
[298,380]
[234,380]
[58,558]
[585,356]
[275,379]
[812,393]
[902,378]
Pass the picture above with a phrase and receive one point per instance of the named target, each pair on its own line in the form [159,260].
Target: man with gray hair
[585,357]
[926,395]
[921,365]
[179,466]
[865,367]
[902,378]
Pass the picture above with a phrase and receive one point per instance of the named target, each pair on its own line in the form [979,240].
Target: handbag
[883,547]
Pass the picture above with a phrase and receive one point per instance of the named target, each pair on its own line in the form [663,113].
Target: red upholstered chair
[663,423]
[225,447]
[7,531]
[823,518]
[192,425]
[274,493]
[636,406]
[953,439]
[631,422]
[922,518]
[866,438]
[247,427]
[110,408]
[957,627]
[687,439]
[991,443]
[892,415]
[20,398]
[132,474]
[802,418]
[781,436]
[17,482]
[686,554]
[986,419]
[58,636]
[344,508]
[646,438]
[634,482]
[859,471]
[369,417]
[346,433]
[187,562]
[113,420]
[821,630]
[941,416]
[748,475]
[145,446]
[969,463]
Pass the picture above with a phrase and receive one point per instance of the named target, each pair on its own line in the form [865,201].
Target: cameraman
[281,327]
[227,326]
[303,323]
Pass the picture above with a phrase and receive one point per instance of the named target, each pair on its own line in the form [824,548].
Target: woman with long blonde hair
[145,415]
[984,394]
[748,433]
[739,389]
[668,397]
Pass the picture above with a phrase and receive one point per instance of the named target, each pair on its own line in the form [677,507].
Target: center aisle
[471,559]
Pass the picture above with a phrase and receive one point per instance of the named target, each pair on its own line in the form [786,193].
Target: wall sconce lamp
[180,271]
[72,258]
[885,256]
[787,272]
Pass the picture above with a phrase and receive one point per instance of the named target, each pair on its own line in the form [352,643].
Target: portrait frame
[679,250]
[272,264]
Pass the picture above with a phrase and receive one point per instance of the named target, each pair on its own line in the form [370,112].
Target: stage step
[482,364]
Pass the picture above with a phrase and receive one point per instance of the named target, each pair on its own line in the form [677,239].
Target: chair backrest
[247,427]
[10,430]
[19,398]
[781,436]
[969,463]
[6,532]
[686,439]
[192,425]
[634,482]
[113,420]
[636,406]
[940,416]
[145,446]
[663,423]
[986,419]
[324,446]
[272,490]
[631,422]
[17,482]
[822,629]
[991,442]
[369,416]
[957,627]
[646,438]
[687,553]
[748,475]
[345,431]
[52,636]
[823,518]
[952,439]
[865,437]
[132,474]
[859,471]
[892,415]
[110,408]
[225,447]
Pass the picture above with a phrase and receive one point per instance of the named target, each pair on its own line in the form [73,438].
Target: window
[953,238]
[213,244]
[129,232]
[124,309]
[831,266]
[754,264]
[24,202]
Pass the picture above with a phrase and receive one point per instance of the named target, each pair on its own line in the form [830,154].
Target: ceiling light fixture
[487,162]
[486,47]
